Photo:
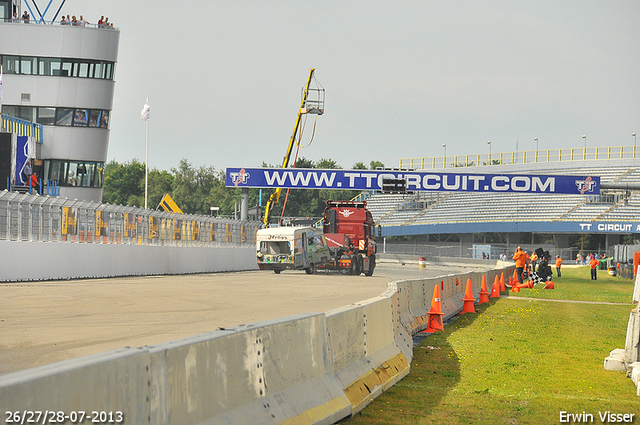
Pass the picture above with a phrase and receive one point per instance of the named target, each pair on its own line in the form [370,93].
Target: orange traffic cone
[495,289]
[502,287]
[515,287]
[484,292]
[549,285]
[514,279]
[435,314]
[469,301]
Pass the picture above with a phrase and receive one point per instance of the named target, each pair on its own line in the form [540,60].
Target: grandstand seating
[465,207]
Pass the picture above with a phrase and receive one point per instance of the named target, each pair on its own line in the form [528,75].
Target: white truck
[293,248]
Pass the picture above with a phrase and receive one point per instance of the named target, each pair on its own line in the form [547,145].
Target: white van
[294,248]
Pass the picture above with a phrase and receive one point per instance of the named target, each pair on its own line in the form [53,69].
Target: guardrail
[521,157]
[305,369]
[25,217]
[21,127]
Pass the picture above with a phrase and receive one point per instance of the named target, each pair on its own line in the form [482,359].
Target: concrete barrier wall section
[304,369]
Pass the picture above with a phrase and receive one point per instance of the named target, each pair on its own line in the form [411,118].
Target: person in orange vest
[534,260]
[594,263]
[558,264]
[521,259]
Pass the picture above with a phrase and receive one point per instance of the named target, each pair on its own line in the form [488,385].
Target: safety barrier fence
[522,157]
[25,217]
[312,368]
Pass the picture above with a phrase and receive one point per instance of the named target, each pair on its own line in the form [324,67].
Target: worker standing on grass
[558,265]
[521,258]
[534,261]
[594,263]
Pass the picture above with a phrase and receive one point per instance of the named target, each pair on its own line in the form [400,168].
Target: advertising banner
[102,223]
[229,233]
[177,229]
[154,227]
[415,181]
[129,225]
[213,227]
[69,221]
[195,230]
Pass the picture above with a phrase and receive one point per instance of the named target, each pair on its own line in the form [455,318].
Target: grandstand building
[614,212]
[62,78]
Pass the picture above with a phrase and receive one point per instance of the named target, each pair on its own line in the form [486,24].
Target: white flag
[146,111]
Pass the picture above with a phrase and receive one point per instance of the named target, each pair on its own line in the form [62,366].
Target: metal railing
[521,157]
[25,217]
[21,127]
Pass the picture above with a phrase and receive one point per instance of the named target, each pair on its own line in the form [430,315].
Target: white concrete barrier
[304,369]
[27,261]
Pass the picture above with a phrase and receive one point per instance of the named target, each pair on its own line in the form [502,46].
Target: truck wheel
[372,265]
[277,271]
[358,260]
[310,269]
[354,269]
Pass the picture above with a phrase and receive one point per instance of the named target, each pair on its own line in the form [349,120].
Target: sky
[402,78]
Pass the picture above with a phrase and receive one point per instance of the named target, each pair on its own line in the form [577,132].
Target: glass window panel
[88,174]
[47,116]
[83,69]
[67,68]
[72,172]
[49,66]
[58,170]
[104,121]
[108,71]
[64,116]
[99,70]
[92,68]
[81,117]
[97,181]
[27,113]
[10,64]
[94,117]
[11,110]
[28,65]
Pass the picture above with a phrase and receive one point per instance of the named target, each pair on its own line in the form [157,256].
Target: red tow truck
[349,230]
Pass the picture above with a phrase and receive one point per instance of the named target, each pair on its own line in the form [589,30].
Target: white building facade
[62,77]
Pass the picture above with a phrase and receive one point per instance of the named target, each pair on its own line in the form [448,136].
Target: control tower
[60,75]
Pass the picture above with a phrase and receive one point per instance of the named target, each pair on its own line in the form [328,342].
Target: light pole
[216,209]
[489,143]
[634,139]
[584,136]
[444,145]
[536,139]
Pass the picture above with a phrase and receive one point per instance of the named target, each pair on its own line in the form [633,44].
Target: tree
[122,183]
[375,165]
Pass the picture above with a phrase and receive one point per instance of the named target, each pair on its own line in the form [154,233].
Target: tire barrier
[312,368]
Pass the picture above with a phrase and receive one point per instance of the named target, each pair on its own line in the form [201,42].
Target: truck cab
[291,248]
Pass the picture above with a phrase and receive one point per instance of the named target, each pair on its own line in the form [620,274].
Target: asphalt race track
[45,322]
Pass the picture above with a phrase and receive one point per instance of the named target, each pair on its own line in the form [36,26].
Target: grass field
[520,361]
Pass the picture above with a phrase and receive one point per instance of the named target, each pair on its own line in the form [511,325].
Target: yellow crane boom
[304,109]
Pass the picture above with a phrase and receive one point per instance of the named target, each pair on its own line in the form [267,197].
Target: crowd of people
[526,264]
[66,20]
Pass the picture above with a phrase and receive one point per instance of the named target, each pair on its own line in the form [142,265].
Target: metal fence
[25,217]
[522,157]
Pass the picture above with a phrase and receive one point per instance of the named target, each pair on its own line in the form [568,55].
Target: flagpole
[146,162]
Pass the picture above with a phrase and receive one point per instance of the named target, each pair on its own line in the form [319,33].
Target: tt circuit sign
[411,181]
